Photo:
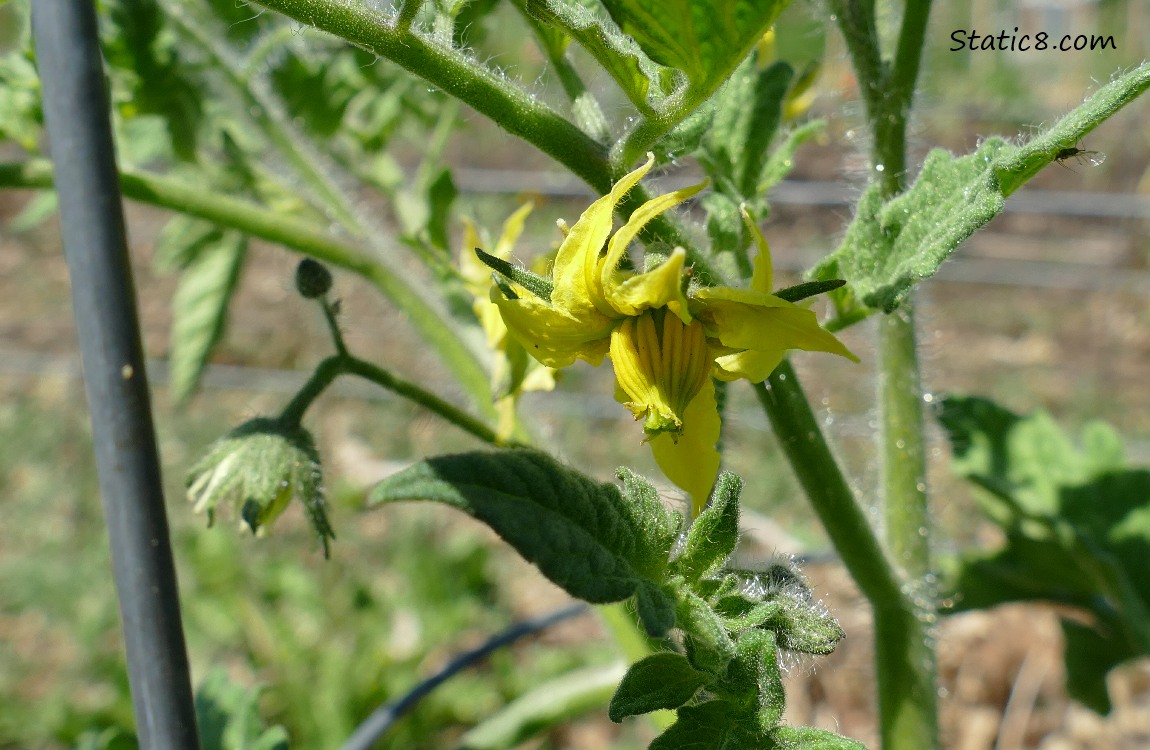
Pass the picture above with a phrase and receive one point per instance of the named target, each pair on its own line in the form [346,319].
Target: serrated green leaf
[664,680]
[199,310]
[714,534]
[619,55]
[21,116]
[809,738]
[762,121]
[181,241]
[583,535]
[1020,572]
[891,246]
[548,705]
[706,39]
[161,81]
[317,92]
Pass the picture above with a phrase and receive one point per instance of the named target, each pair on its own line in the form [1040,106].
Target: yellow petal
[512,228]
[659,287]
[748,365]
[476,275]
[639,219]
[765,329]
[554,337]
[692,462]
[578,282]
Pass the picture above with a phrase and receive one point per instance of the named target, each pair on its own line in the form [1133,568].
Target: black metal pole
[103,297]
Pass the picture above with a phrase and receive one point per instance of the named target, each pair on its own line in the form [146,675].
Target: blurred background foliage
[1045,309]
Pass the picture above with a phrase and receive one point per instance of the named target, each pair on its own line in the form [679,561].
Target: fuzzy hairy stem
[905,661]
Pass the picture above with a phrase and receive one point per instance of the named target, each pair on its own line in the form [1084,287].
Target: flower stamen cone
[661,364]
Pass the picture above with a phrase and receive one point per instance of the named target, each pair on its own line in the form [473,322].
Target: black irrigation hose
[382,719]
[103,297]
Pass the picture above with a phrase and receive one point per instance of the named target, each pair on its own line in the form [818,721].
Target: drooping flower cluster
[513,372]
[666,340]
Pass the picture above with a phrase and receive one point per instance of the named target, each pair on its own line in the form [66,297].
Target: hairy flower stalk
[666,340]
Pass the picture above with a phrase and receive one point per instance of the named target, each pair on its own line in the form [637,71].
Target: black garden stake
[103,296]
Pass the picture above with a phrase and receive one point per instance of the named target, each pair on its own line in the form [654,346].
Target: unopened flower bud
[258,468]
[312,279]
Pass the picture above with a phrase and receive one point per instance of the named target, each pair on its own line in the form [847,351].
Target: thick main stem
[904,653]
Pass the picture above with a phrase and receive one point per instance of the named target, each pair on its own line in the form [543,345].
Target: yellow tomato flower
[512,371]
[665,342]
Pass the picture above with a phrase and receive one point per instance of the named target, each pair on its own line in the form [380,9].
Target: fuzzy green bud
[258,468]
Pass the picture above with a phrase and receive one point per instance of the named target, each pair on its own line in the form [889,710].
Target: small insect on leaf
[1089,158]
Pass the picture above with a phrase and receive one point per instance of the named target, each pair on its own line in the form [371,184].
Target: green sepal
[533,283]
[714,534]
[583,535]
[725,229]
[664,680]
[808,289]
[258,468]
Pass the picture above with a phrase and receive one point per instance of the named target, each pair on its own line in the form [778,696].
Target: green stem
[298,235]
[904,458]
[801,439]
[345,364]
[493,96]
[330,315]
[648,129]
[324,375]
[905,660]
